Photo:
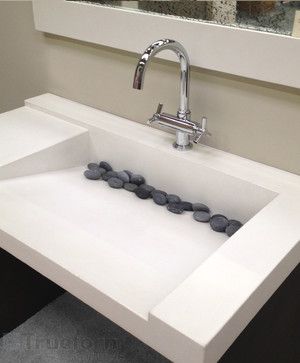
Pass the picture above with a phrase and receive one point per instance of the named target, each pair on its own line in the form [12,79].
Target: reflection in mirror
[269,16]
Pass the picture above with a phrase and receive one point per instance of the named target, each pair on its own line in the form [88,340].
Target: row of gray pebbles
[137,184]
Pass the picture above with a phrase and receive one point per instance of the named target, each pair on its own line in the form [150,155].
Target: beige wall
[251,119]
[22,58]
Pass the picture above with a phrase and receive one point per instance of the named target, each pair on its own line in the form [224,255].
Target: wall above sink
[246,117]
[243,52]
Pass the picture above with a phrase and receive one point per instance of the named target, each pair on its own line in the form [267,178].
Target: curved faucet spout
[150,52]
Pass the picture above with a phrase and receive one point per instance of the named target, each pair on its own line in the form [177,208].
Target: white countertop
[175,284]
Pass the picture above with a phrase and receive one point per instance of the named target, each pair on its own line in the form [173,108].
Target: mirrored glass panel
[268,16]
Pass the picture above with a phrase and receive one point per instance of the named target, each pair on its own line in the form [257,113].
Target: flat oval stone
[160,191]
[92,174]
[149,188]
[109,174]
[115,183]
[218,223]
[129,173]
[102,171]
[201,216]
[142,193]
[173,198]
[105,165]
[130,187]
[235,222]
[93,166]
[231,229]
[200,207]
[175,208]
[123,176]
[159,198]
[186,206]
[137,179]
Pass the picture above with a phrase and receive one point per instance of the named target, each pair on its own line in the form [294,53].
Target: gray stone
[115,183]
[159,198]
[186,206]
[142,193]
[201,216]
[235,222]
[92,174]
[123,176]
[232,228]
[105,165]
[129,173]
[109,174]
[93,166]
[160,191]
[218,223]
[130,187]
[102,171]
[173,198]
[149,188]
[200,207]
[175,208]
[137,179]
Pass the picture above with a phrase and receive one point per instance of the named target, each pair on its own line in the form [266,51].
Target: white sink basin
[168,245]
[172,282]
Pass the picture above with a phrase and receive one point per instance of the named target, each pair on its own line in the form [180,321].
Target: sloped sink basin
[174,283]
[171,245]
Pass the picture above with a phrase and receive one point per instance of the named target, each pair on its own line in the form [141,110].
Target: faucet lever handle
[201,131]
[197,137]
[203,126]
[203,123]
[156,114]
[159,108]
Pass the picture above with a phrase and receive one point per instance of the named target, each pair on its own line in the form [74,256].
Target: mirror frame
[248,53]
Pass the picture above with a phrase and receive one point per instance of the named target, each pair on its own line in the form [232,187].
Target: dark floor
[68,331]
[19,299]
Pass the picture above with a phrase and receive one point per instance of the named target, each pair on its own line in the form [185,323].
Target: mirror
[268,16]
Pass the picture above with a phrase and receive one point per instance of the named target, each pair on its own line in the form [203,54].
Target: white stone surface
[31,142]
[167,246]
[173,283]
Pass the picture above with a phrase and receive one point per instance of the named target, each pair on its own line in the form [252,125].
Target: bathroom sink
[180,287]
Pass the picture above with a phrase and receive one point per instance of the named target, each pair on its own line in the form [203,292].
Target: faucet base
[182,142]
[182,147]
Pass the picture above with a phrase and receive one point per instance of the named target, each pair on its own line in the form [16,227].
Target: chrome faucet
[185,129]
